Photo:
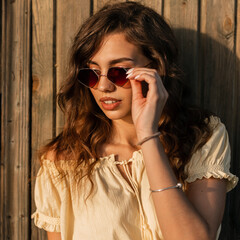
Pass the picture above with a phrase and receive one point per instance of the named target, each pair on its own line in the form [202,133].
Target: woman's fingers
[155,85]
[149,75]
[147,109]
[136,89]
[135,72]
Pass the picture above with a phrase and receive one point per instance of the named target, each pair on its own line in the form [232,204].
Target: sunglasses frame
[99,75]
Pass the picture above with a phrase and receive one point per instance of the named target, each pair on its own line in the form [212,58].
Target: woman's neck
[122,142]
[124,133]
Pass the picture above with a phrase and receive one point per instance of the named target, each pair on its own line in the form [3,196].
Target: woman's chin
[114,116]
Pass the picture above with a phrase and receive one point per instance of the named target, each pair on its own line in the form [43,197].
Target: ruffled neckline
[135,155]
[103,161]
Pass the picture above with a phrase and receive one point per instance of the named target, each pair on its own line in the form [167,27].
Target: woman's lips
[109,103]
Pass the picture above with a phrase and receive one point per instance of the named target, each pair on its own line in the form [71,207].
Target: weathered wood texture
[69,16]
[97,4]
[183,17]
[208,33]
[53,27]
[15,119]
[42,85]
[217,72]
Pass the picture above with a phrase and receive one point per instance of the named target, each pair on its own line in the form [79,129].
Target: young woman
[131,162]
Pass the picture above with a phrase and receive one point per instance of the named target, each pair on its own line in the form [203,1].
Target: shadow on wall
[212,73]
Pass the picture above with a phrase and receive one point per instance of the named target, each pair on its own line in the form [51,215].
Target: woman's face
[115,51]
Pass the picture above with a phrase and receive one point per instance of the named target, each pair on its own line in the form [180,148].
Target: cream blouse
[116,210]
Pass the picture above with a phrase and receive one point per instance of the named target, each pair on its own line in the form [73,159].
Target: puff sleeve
[47,198]
[213,159]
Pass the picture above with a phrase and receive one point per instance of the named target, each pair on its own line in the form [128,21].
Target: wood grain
[15,116]
[42,86]
[70,15]
[97,4]
[217,62]
[183,16]
[217,58]
[232,212]
[157,5]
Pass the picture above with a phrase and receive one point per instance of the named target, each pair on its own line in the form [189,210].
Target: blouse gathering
[116,209]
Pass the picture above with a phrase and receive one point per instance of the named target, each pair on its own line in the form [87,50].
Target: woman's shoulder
[214,121]
[213,158]
[57,162]
[218,129]
[49,156]
[48,159]
[219,135]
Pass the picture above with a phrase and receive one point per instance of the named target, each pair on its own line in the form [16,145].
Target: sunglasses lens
[88,77]
[118,76]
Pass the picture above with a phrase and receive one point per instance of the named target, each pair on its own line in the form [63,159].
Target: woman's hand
[146,111]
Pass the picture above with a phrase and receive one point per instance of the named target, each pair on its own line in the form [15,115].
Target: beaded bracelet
[179,185]
[148,138]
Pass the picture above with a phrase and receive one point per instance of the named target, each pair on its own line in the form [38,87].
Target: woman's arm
[197,214]
[192,216]
[54,236]
[208,197]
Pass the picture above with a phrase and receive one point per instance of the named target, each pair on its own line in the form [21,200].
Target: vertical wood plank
[218,72]
[3,110]
[183,18]
[42,85]
[70,15]
[154,4]
[183,14]
[237,87]
[217,59]
[15,62]
[237,6]
[233,213]
[217,62]
[98,4]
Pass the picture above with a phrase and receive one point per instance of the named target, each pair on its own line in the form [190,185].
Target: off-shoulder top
[116,210]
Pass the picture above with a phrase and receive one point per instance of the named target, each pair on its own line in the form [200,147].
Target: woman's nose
[105,85]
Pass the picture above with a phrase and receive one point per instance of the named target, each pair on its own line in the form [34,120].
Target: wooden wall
[35,37]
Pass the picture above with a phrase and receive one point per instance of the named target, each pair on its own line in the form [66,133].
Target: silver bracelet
[148,138]
[179,185]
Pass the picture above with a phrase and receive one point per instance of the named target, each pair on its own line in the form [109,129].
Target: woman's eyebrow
[114,61]
[119,60]
[92,62]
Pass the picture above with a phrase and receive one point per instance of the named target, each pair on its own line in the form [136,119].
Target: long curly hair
[184,129]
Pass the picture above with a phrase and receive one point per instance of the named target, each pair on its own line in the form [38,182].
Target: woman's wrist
[146,133]
[155,135]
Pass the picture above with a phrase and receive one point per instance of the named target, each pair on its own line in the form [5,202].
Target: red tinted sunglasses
[90,77]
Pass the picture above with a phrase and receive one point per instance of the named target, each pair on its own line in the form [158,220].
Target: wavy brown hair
[184,129]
